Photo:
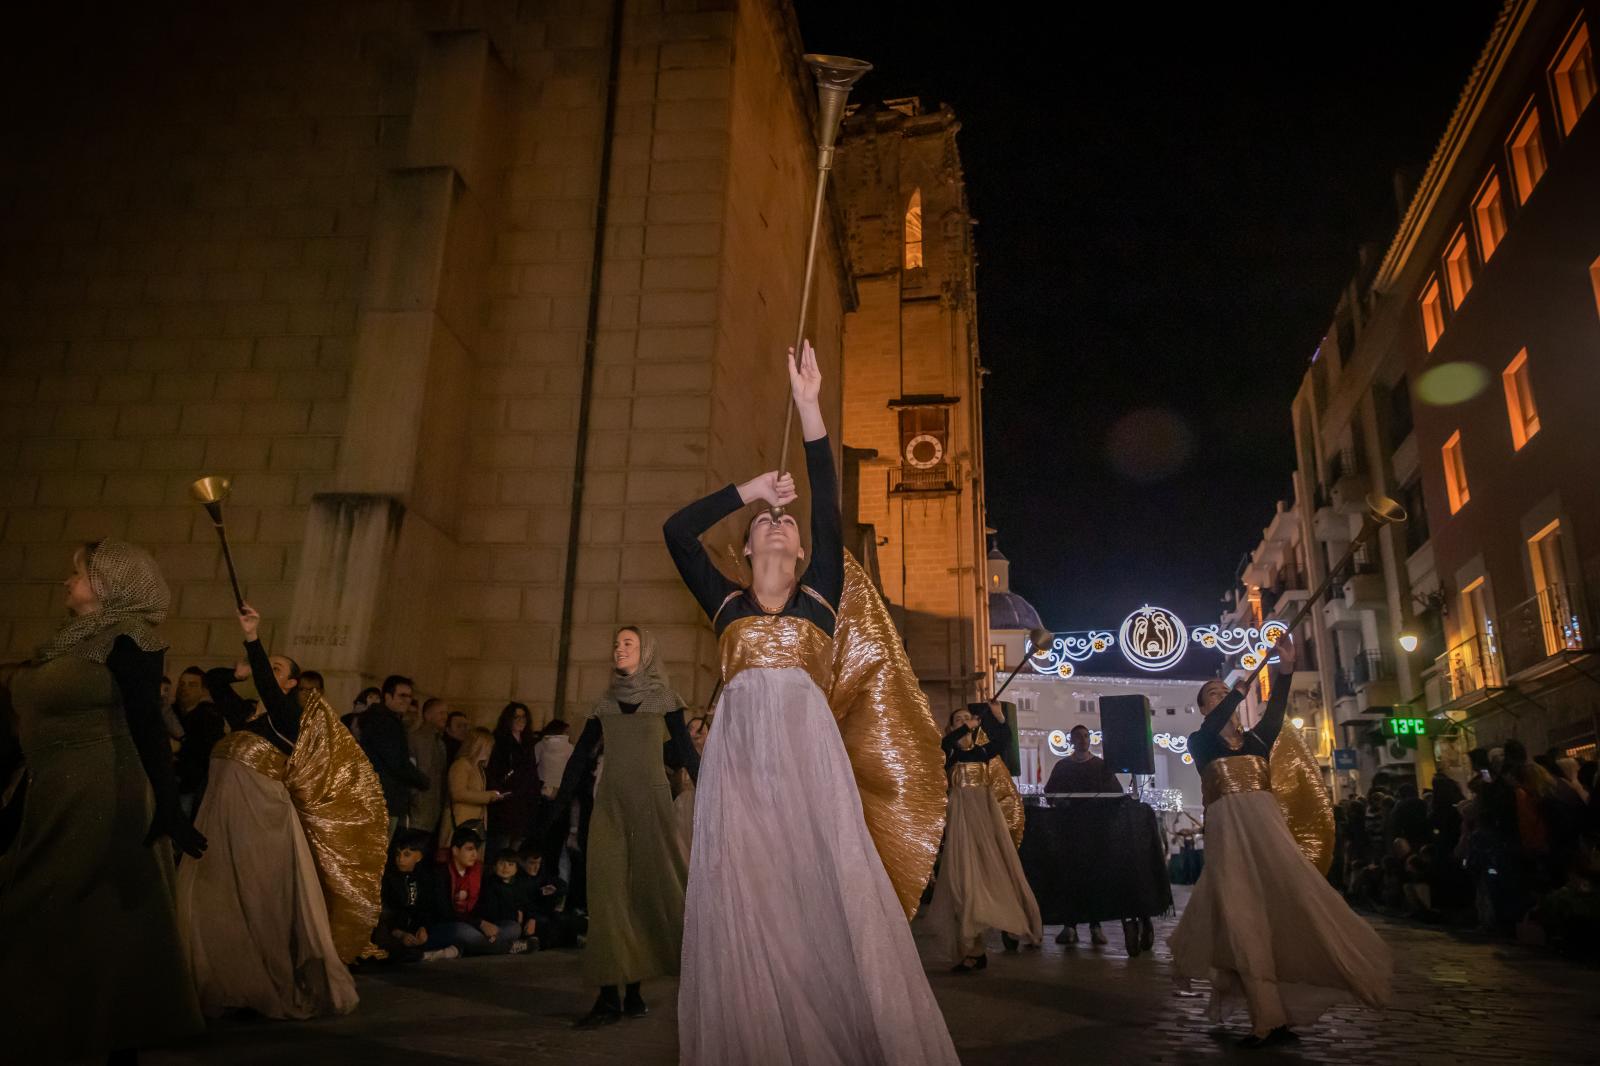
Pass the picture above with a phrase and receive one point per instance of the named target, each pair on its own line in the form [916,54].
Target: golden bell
[1041,639]
[1383,510]
[211,492]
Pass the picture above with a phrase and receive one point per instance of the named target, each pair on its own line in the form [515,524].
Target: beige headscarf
[133,601]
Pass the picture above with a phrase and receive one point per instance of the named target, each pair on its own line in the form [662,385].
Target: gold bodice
[969,775]
[1233,773]
[776,642]
[254,751]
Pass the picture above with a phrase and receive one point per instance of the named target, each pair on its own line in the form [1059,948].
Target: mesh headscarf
[133,600]
[647,686]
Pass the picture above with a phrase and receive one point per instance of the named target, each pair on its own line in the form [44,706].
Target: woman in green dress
[637,865]
[91,962]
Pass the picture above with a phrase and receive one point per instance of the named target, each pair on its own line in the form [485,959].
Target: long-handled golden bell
[1039,641]
[212,492]
[836,76]
[1381,511]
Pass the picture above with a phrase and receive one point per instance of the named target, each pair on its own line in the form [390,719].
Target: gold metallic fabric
[340,803]
[776,642]
[254,752]
[1297,784]
[890,735]
[995,776]
[1234,773]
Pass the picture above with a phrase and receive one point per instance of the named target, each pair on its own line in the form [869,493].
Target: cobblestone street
[1455,1001]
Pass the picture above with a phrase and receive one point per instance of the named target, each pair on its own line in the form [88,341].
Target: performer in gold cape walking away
[99,807]
[796,944]
[981,885]
[289,891]
[1263,925]
[636,860]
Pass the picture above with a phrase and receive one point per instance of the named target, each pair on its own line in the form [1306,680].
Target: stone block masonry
[341,253]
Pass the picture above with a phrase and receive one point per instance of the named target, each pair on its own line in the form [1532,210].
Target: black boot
[633,1003]
[607,1010]
[1009,941]
[1130,936]
[1147,934]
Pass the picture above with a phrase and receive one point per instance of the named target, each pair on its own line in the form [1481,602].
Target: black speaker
[1125,734]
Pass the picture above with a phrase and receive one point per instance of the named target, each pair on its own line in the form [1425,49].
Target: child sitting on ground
[458,919]
[501,900]
[402,922]
[542,895]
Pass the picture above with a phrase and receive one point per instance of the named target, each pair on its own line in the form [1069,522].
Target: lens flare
[1451,383]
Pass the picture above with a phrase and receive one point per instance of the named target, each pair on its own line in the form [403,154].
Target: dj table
[1093,857]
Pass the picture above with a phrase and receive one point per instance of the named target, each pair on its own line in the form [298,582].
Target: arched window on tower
[914,231]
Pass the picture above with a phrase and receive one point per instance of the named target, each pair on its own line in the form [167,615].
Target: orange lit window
[1594,281]
[1489,214]
[1432,313]
[1572,77]
[914,231]
[1455,473]
[1527,154]
[1519,400]
[1458,268]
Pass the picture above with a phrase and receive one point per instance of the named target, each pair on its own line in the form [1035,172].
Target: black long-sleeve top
[587,750]
[279,725]
[824,575]
[1206,743]
[383,738]
[138,676]
[995,733]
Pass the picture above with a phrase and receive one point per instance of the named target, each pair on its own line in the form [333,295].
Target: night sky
[1168,207]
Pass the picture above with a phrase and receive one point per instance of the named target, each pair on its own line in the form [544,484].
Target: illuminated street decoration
[1153,638]
[1059,745]
[1175,743]
[1069,648]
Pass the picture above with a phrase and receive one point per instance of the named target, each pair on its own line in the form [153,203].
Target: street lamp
[1408,642]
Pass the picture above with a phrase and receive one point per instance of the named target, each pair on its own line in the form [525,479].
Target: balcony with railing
[1542,626]
[1347,482]
[1470,667]
[936,478]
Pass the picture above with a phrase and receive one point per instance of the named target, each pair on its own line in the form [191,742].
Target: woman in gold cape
[1263,925]
[796,947]
[288,892]
[981,885]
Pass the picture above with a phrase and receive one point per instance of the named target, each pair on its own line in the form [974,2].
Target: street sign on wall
[1344,758]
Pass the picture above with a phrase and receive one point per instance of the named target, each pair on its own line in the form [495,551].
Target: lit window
[1455,473]
[1432,313]
[1458,268]
[997,653]
[914,232]
[1594,282]
[1527,154]
[1519,401]
[1572,76]
[1489,213]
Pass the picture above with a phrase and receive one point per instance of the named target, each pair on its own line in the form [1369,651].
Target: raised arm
[994,728]
[1221,713]
[825,572]
[1271,723]
[682,532]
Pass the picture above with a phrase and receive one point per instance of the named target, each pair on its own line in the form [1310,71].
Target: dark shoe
[1009,941]
[602,1014]
[634,1006]
[1130,937]
[1068,935]
[971,964]
[1251,1042]
[1096,937]
[1147,934]
[1283,1035]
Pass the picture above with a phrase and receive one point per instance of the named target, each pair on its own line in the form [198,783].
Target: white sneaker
[451,952]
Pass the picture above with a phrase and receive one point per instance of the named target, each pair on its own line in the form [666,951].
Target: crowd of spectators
[480,861]
[1514,853]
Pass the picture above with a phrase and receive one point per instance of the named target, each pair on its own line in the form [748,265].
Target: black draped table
[1094,860]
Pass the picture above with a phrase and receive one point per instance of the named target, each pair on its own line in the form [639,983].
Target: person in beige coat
[470,796]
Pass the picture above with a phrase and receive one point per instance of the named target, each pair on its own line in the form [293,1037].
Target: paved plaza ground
[1456,1001]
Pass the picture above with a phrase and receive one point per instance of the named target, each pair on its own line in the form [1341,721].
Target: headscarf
[647,686]
[133,601]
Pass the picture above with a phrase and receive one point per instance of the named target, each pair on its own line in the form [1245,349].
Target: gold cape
[340,803]
[890,736]
[1296,783]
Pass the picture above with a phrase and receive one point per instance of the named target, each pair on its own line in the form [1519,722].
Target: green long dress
[637,866]
[90,959]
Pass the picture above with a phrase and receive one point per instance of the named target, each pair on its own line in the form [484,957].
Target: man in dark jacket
[383,738]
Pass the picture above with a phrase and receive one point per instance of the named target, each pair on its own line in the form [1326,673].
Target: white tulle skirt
[796,951]
[981,885]
[1267,930]
[251,910]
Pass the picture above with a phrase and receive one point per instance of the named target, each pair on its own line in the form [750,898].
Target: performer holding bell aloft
[981,885]
[1263,925]
[796,946]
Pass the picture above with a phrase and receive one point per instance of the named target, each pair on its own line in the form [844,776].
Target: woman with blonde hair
[469,795]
